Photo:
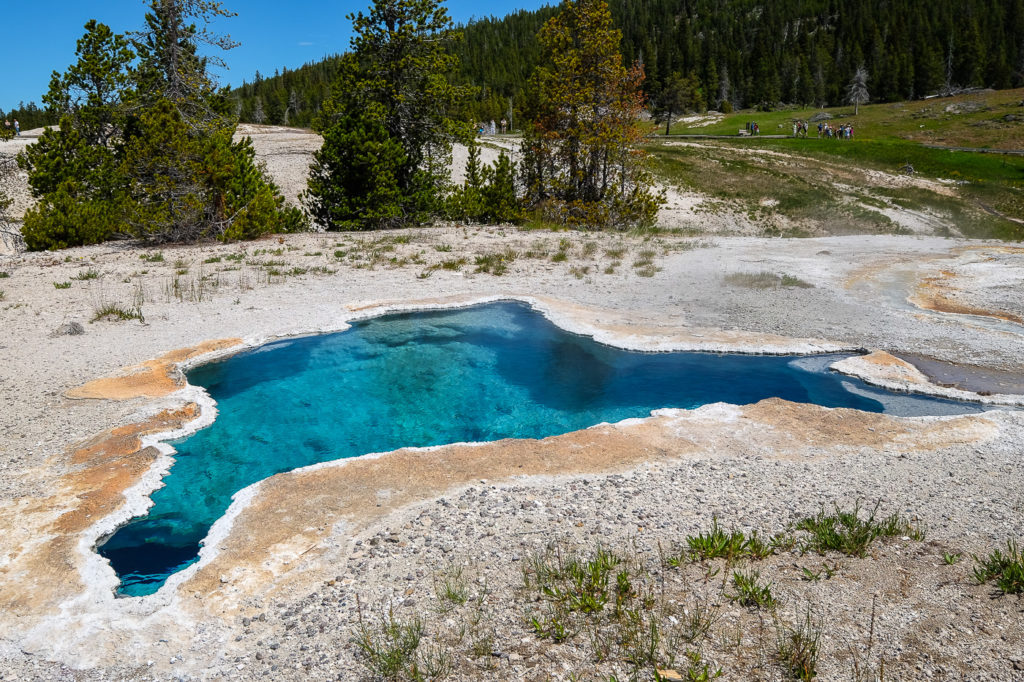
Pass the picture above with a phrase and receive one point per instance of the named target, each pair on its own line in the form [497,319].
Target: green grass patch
[62,285]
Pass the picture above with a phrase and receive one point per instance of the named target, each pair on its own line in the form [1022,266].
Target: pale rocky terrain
[300,558]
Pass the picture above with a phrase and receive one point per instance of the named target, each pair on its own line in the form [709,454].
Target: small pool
[426,378]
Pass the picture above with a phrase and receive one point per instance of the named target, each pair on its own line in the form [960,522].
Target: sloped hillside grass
[827,185]
[987,120]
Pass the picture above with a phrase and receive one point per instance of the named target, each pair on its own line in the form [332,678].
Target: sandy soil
[286,575]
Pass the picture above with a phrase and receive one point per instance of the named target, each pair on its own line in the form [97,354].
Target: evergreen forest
[733,53]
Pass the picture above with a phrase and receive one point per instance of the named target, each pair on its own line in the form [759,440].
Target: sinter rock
[69,329]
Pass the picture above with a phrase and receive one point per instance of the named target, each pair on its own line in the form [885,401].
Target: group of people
[753,128]
[843,132]
[492,128]
[17,127]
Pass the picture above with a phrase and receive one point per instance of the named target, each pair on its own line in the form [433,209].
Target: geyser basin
[430,378]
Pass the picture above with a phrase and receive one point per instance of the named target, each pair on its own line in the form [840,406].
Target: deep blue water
[429,378]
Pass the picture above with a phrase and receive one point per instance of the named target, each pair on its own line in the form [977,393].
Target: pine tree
[74,169]
[393,95]
[147,150]
[353,182]
[501,202]
[677,95]
[170,67]
[581,159]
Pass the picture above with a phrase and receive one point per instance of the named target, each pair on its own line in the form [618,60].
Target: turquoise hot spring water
[482,373]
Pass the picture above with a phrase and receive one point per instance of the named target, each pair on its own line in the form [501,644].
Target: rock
[822,116]
[668,675]
[69,329]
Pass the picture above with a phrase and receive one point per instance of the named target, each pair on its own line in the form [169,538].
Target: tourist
[17,128]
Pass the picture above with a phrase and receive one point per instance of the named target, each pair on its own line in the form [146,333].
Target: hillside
[745,53]
[809,187]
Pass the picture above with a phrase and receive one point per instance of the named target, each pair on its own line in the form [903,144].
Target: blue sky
[273,34]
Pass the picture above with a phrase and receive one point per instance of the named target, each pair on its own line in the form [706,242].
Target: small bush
[696,669]
[451,588]
[576,583]
[454,264]
[62,285]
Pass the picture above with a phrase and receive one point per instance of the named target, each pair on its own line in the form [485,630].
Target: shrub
[62,219]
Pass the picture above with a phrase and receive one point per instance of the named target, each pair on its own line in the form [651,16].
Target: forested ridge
[737,53]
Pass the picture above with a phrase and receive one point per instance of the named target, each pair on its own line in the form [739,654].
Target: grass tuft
[797,649]
[391,650]
[113,311]
[451,588]
[765,280]
[845,532]
[750,592]
[495,263]
[1006,570]
[718,543]
[91,273]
